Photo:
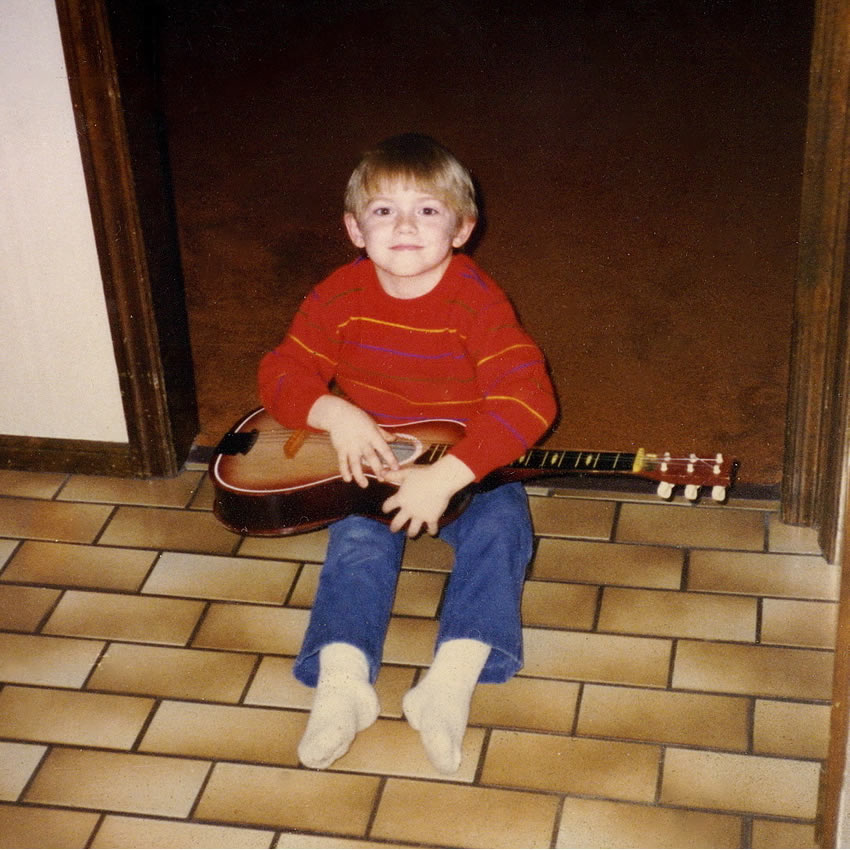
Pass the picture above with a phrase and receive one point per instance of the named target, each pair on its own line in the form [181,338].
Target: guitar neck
[554,461]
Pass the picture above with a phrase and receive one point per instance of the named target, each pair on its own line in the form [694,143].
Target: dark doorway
[640,163]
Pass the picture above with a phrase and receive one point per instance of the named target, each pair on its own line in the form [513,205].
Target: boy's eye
[382,211]
[430,211]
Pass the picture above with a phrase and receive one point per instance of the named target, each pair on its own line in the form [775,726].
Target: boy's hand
[357,438]
[424,493]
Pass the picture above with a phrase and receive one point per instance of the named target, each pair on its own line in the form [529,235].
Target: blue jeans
[492,540]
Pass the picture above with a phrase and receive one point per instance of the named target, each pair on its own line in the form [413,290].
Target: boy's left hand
[424,493]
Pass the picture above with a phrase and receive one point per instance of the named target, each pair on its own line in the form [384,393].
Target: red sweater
[457,352]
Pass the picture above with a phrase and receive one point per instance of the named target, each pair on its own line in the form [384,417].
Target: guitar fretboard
[577,461]
[555,459]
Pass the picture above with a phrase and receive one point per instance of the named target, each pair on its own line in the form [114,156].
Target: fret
[578,461]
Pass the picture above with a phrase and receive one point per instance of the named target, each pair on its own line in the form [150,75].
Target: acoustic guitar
[272,481]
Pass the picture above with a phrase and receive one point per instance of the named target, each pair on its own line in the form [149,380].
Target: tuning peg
[665,490]
[718,493]
[691,492]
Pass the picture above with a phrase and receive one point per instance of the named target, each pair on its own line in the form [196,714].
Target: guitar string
[280,435]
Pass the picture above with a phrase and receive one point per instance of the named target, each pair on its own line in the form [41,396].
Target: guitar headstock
[692,472]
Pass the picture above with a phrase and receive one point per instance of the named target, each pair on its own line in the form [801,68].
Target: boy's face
[409,235]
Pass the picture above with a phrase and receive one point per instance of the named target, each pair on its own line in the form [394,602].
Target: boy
[412,331]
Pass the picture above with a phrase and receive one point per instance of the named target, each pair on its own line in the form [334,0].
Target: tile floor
[675,693]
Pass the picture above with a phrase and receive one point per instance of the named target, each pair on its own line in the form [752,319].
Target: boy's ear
[353,229]
[464,231]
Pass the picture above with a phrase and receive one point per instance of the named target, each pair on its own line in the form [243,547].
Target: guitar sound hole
[403,449]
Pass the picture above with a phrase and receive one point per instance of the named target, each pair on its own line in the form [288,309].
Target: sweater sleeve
[299,370]
[519,402]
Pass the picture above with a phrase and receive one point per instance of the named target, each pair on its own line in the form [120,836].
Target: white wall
[58,376]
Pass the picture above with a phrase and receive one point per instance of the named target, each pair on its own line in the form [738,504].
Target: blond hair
[416,160]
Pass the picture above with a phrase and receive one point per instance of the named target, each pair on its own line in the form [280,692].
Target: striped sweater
[457,352]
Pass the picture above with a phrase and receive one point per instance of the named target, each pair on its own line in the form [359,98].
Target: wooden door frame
[110,53]
[817,443]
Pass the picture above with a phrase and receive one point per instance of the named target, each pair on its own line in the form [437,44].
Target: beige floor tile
[41,520]
[791,538]
[300,547]
[123,617]
[729,782]
[674,525]
[320,801]
[558,763]
[393,748]
[589,519]
[759,670]
[300,841]
[429,814]
[7,548]
[166,528]
[677,614]
[162,492]
[37,660]
[74,565]
[28,826]
[771,833]
[428,553]
[304,592]
[601,823]
[795,623]
[597,658]
[204,496]
[418,593]
[791,729]
[522,703]
[217,577]
[559,605]
[799,576]
[23,608]
[30,485]
[664,716]
[275,685]
[410,640]
[119,782]
[73,718]
[117,831]
[169,672]
[225,732]
[608,563]
[17,764]
[252,628]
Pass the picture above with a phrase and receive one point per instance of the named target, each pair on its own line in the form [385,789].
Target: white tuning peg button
[691,492]
[665,490]
[718,493]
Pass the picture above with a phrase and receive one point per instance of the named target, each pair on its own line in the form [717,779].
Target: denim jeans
[492,541]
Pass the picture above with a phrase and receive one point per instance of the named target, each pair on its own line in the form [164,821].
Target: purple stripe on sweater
[508,427]
[519,368]
[406,353]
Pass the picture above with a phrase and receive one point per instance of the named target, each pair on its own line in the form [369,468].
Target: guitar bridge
[237,442]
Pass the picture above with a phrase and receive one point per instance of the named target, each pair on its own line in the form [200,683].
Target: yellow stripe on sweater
[397,325]
[312,351]
[519,401]
[505,351]
[411,401]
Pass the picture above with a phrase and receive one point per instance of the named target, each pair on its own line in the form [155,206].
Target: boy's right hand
[359,441]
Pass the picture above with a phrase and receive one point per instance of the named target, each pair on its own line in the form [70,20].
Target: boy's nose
[406,221]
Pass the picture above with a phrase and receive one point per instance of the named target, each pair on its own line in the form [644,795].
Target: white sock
[438,707]
[344,704]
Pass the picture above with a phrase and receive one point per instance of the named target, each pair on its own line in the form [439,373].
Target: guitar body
[262,491]
[272,481]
